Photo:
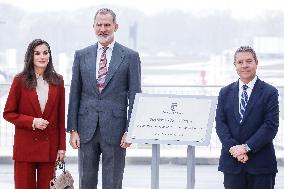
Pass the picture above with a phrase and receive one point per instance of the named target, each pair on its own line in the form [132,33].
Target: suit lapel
[116,60]
[253,98]
[91,61]
[34,101]
[236,101]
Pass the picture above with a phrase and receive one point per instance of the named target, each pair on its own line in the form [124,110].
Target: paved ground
[172,176]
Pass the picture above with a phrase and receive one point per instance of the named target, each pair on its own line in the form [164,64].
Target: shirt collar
[110,46]
[250,84]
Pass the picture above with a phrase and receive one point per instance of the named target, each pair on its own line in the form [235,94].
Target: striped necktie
[244,102]
[102,70]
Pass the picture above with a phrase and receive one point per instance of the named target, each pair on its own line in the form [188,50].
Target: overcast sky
[238,8]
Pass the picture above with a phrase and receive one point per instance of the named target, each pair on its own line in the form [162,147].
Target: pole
[190,167]
[155,166]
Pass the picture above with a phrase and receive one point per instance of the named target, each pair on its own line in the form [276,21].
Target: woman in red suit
[36,106]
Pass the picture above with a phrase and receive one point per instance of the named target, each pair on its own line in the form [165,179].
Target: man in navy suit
[105,78]
[247,120]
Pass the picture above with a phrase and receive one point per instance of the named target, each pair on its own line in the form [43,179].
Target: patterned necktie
[244,101]
[102,70]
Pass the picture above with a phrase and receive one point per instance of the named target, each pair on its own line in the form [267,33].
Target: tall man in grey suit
[106,77]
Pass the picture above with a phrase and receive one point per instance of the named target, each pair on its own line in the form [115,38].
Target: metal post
[155,166]
[190,167]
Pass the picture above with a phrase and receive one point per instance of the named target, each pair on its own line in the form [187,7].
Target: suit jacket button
[46,138]
[36,139]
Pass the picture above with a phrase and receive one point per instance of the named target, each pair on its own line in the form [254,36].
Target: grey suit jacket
[88,107]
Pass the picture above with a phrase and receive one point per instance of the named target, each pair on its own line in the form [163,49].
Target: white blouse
[42,91]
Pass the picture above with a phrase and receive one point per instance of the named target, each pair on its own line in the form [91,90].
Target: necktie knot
[245,87]
[105,49]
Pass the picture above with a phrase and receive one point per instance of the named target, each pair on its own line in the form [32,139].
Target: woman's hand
[39,123]
[60,155]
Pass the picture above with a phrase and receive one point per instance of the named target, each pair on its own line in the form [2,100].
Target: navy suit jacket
[258,128]
[88,107]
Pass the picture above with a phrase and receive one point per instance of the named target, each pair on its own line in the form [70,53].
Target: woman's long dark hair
[49,75]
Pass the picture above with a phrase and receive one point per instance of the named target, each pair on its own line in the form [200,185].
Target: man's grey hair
[105,11]
[245,49]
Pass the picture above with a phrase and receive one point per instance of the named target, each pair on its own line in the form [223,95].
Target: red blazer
[21,108]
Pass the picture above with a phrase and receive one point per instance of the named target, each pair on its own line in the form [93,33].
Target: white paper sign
[172,119]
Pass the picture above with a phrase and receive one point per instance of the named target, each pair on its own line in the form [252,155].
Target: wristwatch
[247,148]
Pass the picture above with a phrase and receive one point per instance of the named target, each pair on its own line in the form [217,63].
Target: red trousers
[33,175]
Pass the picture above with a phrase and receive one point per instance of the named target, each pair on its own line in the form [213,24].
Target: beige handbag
[64,180]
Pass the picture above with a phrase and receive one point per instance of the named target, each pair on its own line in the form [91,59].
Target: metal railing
[213,149]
